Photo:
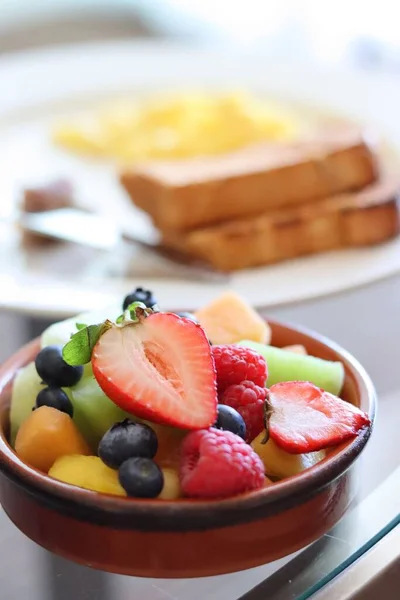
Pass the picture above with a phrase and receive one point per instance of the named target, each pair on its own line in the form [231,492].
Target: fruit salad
[153,404]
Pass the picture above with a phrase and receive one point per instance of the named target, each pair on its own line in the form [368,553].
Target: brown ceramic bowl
[185,538]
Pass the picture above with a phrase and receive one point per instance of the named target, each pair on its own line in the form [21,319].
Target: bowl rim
[189,514]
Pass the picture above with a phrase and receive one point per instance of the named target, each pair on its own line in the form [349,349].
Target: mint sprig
[134,313]
[80,326]
[78,351]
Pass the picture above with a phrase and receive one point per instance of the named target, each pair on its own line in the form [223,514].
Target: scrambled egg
[183,126]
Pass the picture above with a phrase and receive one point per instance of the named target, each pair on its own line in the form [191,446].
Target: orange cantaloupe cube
[229,319]
[46,435]
[297,349]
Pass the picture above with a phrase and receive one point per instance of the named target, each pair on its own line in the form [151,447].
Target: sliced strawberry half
[159,369]
[306,419]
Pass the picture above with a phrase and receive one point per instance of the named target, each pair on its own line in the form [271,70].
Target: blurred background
[331,34]
[355,32]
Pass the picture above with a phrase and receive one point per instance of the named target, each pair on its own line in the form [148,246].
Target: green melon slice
[288,366]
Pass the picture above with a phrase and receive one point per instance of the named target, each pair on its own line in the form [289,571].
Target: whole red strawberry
[248,399]
[218,464]
[235,364]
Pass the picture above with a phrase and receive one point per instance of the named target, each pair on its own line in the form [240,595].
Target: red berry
[306,419]
[235,364]
[218,464]
[248,399]
[159,369]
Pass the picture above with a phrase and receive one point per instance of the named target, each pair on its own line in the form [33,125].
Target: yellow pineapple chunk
[229,319]
[172,487]
[88,472]
[279,463]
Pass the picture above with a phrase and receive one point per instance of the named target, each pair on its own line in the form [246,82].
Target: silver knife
[89,229]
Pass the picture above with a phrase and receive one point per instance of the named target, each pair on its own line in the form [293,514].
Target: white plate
[38,87]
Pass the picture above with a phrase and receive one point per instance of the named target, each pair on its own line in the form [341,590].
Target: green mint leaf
[78,351]
[80,326]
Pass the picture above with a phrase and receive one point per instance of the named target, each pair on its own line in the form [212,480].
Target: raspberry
[235,364]
[248,399]
[218,464]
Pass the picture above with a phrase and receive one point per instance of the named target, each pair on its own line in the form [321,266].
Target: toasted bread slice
[361,218]
[188,194]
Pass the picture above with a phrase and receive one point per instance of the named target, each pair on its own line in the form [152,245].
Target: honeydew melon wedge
[27,384]
[94,412]
[289,366]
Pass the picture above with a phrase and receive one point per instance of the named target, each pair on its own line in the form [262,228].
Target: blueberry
[230,420]
[140,295]
[55,398]
[53,369]
[141,477]
[126,440]
[188,315]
